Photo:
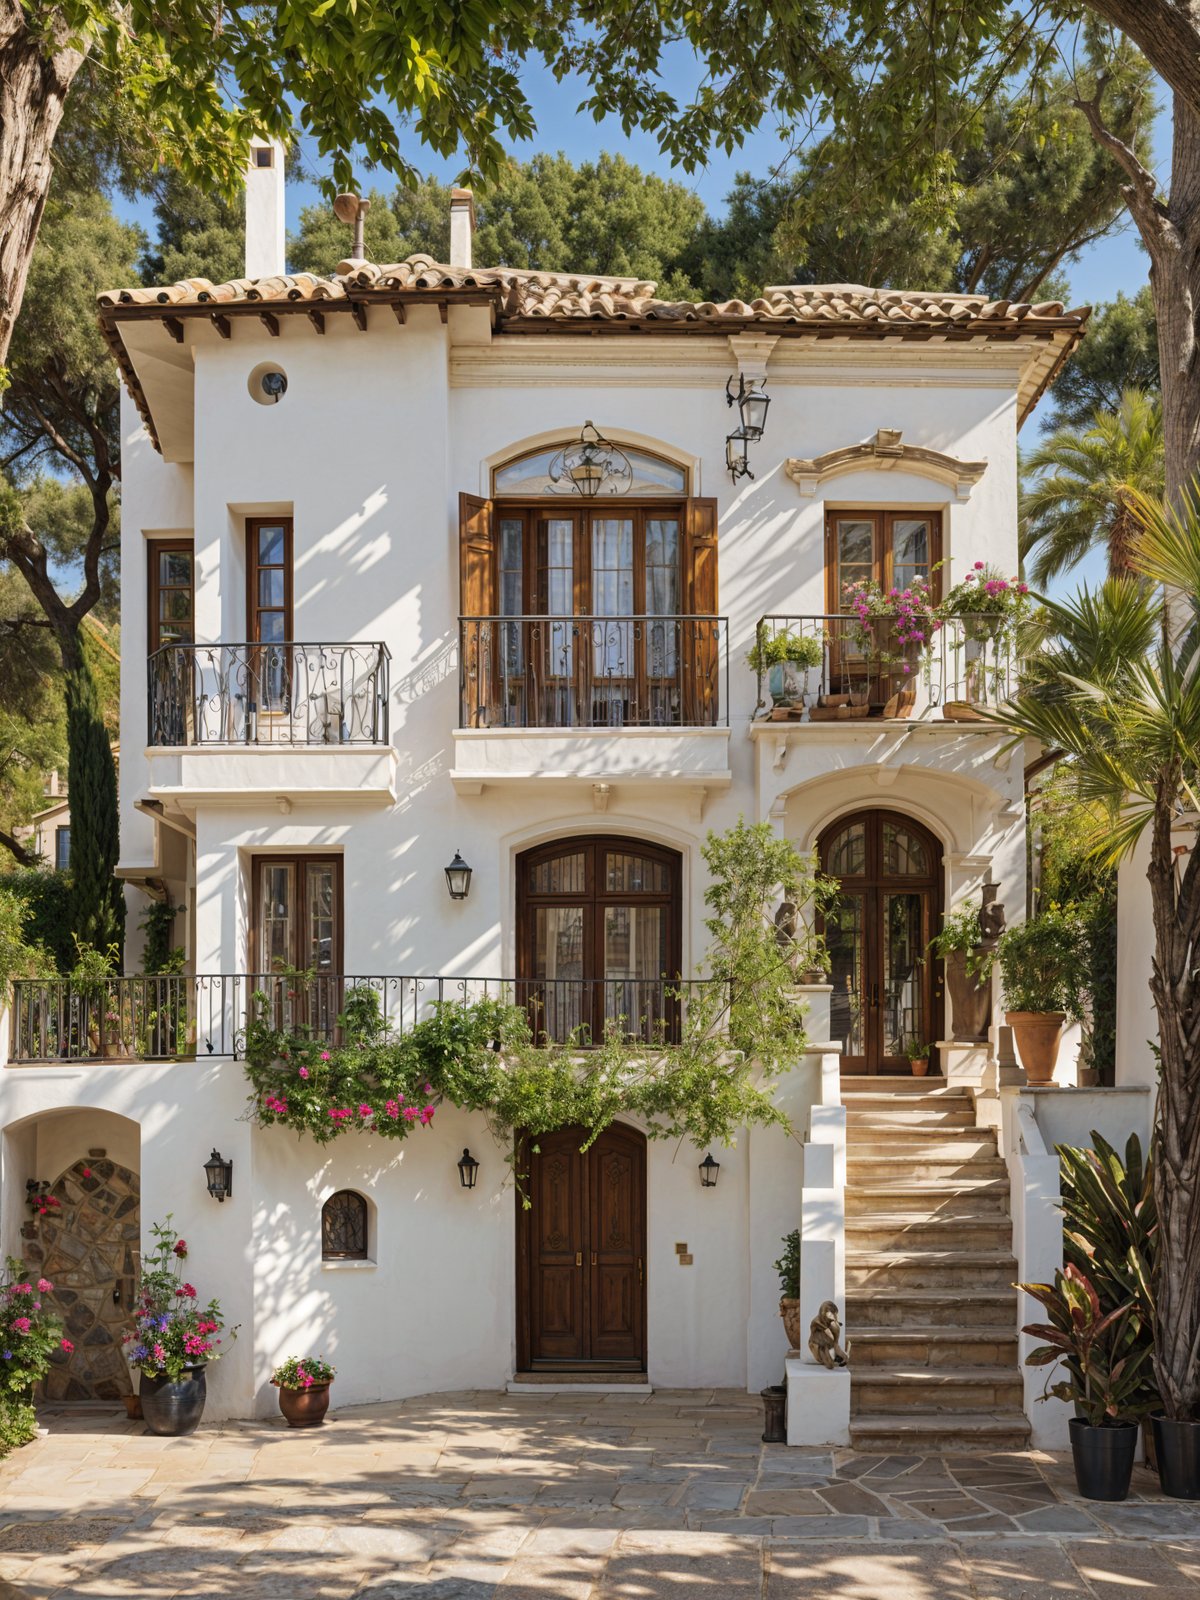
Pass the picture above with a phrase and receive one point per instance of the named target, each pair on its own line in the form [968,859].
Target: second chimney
[266,238]
[462,227]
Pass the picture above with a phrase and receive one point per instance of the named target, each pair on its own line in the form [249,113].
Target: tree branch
[1142,190]
[24,856]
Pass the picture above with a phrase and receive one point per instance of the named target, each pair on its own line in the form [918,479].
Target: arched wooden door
[887,991]
[581,1252]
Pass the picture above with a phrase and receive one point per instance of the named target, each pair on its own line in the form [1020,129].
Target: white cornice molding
[885,453]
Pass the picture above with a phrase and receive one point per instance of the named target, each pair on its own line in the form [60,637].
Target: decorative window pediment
[883,453]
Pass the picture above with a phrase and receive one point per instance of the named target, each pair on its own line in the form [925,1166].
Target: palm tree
[1078,487]
[1118,696]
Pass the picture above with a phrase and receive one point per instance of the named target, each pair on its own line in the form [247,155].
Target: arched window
[530,474]
[344,1227]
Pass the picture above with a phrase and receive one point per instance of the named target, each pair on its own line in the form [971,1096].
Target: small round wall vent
[268,384]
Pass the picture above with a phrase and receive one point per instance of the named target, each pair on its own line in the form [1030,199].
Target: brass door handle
[579,1258]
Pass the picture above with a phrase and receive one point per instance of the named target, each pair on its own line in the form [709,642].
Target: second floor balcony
[235,717]
[593,698]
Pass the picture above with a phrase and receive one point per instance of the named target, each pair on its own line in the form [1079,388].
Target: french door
[297,923]
[598,936]
[890,549]
[581,1252]
[269,611]
[887,991]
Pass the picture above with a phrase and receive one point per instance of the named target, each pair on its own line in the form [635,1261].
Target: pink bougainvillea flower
[426,1116]
[21,1324]
[364,1111]
[22,1288]
[87,1172]
[45,1286]
[325,1055]
[67,1346]
[304,1072]
[392,1108]
[410,1113]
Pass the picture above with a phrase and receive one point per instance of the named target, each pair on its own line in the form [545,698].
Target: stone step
[931,1434]
[934,1347]
[925,1199]
[920,1144]
[929,1269]
[872,1112]
[571,1377]
[899,1166]
[880,1232]
[921,1308]
[890,1087]
[920,1390]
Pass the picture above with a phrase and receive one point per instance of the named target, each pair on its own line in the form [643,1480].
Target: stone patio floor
[485,1496]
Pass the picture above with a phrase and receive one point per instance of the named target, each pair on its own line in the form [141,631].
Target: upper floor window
[62,849]
[889,547]
[172,592]
[529,476]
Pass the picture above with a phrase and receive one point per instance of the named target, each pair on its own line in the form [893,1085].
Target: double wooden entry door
[581,1253]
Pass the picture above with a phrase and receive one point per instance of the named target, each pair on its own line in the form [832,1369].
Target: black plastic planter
[774,1399]
[1177,1450]
[174,1408]
[1103,1458]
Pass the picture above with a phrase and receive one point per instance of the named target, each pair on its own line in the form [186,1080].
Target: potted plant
[988,608]
[893,628]
[917,1051]
[784,657]
[968,964]
[174,1338]
[1104,1357]
[788,1268]
[31,1337]
[303,1384]
[1040,965]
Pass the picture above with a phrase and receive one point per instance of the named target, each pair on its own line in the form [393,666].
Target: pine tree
[97,897]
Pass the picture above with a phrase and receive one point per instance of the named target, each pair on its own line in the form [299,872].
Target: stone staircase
[930,1307]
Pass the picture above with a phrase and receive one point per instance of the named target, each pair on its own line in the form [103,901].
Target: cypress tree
[97,896]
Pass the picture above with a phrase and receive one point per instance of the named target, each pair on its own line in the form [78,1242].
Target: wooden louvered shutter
[701,643]
[477,600]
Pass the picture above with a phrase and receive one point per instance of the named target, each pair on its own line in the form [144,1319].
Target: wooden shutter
[478,598]
[700,645]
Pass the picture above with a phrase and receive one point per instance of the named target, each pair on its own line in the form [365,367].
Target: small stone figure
[785,932]
[824,1337]
[992,920]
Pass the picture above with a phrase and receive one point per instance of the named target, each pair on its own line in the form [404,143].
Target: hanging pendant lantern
[591,465]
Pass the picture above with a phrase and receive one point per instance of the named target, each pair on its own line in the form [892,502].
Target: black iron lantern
[590,465]
[467,1168]
[219,1174]
[752,402]
[736,458]
[708,1171]
[458,878]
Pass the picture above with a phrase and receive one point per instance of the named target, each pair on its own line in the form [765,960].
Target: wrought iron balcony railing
[177,1017]
[847,670]
[593,672]
[312,694]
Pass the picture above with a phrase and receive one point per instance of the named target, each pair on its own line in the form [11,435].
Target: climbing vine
[740,1031]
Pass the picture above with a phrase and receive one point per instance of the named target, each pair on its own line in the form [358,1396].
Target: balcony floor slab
[515,757]
[240,775]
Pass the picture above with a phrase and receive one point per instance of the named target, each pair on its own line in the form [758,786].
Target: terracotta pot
[919,1065]
[305,1408]
[970,1000]
[789,1310]
[1037,1034]
[133,1406]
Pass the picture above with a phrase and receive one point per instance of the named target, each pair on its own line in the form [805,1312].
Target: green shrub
[46,897]
[1042,962]
[18,1425]
[788,1266]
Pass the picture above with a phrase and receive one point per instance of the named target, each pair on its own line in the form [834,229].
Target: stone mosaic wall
[88,1249]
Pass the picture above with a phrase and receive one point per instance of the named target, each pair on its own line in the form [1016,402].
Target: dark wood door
[581,1252]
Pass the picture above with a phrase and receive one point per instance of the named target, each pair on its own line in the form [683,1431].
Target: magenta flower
[45,1286]
[304,1072]
[21,1324]
[324,1055]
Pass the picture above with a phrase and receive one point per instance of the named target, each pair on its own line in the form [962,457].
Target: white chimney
[266,236]
[462,226]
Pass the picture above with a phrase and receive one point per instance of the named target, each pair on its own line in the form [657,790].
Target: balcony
[179,1017]
[871,676]
[293,720]
[593,699]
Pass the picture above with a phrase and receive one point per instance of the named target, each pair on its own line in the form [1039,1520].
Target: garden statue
[824,1335]
[992,920]
[785,932]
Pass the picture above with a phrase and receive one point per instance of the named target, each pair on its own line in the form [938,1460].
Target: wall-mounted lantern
[752,402]
[708,1171]
[219,1175]
[458,878]
[736,458]
[467,1168]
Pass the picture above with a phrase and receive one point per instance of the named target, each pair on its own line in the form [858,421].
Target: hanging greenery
[740,1030]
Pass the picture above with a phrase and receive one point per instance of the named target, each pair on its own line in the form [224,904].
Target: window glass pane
[662,567]
[910,550]
[903,991]
[321,883]
[558,967]
[904,855]
[270,546]
[635,959]
[175,604]
[62,849]
[634,874]
[276,910]
[566,874]
[848,852]
[175,569]
[531,475]
[270,627]
[556,567]
[855,543]
[270,587]
[846,946]
[344,1227]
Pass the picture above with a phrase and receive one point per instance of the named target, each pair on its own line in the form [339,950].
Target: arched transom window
[344,1227]
[529,475]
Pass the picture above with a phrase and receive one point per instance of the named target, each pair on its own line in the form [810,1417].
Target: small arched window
[344,1227]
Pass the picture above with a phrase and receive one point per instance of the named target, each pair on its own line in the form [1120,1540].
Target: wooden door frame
[883,518]
[155,548]
[253,526]
[874,886]
[296,859]
[524,1249]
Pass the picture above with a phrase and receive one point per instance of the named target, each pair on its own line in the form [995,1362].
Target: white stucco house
[369,623]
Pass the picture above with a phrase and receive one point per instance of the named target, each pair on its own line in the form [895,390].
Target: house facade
[375,620]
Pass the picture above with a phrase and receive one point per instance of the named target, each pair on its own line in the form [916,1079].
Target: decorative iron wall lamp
[736,458]
[219,1174]
[752,402]
[467,1168]
[708,1172]
[591,465]
[458,878]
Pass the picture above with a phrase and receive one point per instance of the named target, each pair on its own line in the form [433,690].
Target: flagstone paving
[481,1496]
